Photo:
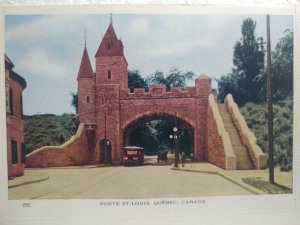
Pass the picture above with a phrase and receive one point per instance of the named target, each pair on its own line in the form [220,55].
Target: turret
[111,64]
[86,90]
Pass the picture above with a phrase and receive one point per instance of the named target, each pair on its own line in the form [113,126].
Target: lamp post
[175,137]
[270,105]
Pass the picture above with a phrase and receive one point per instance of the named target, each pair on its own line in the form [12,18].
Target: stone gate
[108,111]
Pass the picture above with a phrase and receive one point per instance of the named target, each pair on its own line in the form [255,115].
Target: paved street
[124,182]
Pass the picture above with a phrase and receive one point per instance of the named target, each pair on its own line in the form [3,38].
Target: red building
[16,152]
[108,113]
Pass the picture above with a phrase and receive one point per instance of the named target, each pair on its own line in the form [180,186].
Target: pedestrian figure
[283,166]
[192,159]
[183,159]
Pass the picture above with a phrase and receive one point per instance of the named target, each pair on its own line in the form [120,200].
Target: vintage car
[133,155]
[162,156]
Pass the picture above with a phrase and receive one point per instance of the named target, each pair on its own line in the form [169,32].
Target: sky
[47,49]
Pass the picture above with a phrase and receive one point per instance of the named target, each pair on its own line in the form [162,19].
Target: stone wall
[259,159]
[73,152]
[219,148]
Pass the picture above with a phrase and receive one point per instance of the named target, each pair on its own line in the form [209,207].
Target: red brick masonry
[109,111]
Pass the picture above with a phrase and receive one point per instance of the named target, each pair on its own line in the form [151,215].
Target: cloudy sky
[47,49]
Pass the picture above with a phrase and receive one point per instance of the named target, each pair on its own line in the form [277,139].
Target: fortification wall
[73,152]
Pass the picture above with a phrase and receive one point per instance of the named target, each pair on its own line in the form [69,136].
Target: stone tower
[111,77]
[86,90]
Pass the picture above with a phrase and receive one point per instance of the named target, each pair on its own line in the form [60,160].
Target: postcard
[143,114]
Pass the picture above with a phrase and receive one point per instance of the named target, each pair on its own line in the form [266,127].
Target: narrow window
[109,45]
[109,74]
[23,153]
[21,105]
[11,101]
[14,152]
[88,99]
[102,101]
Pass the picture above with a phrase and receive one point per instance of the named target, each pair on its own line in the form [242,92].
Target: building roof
[13,75]
[85,69]
[8,63]
[110,44]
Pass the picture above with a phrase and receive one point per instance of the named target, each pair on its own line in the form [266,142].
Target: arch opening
[152,132]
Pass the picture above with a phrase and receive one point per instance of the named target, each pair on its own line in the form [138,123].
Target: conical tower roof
[85,70]
[110,45]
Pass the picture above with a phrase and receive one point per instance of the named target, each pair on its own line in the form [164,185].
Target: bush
[256,117]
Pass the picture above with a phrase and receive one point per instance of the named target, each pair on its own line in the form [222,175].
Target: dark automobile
[162,156]
[133,155]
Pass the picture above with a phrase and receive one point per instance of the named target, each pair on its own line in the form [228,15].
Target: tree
[175,78]
[135,80]
[74,101]
[248,61]
[282,67]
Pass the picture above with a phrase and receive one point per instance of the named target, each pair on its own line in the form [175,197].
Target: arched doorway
[105,151]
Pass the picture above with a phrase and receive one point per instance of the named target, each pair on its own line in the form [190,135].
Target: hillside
[48,129]
[256,117]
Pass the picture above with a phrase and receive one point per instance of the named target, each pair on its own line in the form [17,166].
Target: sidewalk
[237,176]
[29,178]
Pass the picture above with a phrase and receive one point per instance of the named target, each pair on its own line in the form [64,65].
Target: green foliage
[74,101]
[48,129]
[245,82]
[282,67]
[135,80]
[175,78]
[256,117]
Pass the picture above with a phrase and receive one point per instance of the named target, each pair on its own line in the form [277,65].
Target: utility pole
[270,105]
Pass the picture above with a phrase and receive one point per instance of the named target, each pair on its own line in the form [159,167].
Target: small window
[109,74]
[109,45]
[88,99]
[14,152]
[11,101]
[23,153]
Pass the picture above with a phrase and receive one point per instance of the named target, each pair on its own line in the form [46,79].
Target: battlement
[158,91]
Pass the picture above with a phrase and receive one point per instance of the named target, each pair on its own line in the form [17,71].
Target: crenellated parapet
[158,91]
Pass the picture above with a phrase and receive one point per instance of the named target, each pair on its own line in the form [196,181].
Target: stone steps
[244,161]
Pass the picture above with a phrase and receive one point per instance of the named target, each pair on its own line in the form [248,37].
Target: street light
[175,137]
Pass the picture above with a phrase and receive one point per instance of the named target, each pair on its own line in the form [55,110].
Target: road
[125,182]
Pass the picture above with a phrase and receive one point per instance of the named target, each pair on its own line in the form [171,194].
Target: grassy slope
[48,129]
[256,117]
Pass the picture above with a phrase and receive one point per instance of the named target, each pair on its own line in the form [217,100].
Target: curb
[28,182]
[233,180]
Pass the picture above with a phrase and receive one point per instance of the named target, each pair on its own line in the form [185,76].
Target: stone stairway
[243,159]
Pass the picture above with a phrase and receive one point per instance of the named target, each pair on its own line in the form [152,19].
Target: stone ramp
[244,161]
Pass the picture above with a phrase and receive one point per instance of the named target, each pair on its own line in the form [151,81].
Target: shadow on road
[152,161]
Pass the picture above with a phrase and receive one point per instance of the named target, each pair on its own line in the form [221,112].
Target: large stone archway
[131,125]
[106,107]
[121,108]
